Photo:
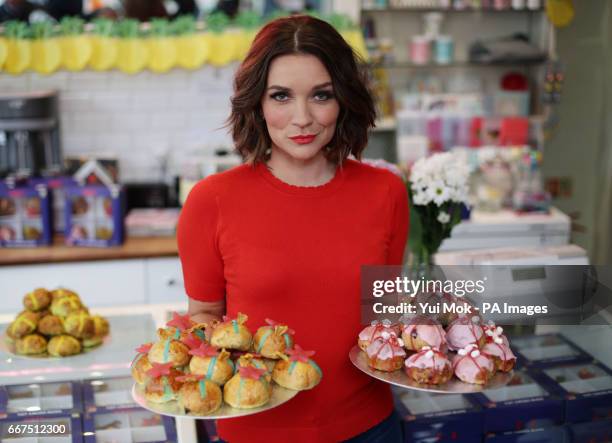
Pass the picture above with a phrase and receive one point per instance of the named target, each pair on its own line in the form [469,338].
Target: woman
[284,235]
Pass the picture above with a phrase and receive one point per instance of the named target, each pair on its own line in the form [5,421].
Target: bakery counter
[58,252]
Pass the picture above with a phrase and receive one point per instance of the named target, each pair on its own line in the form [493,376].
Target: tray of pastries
[468,355]
[54,324]
[221,370]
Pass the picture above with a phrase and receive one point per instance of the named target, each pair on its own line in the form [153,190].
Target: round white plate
[8,347]
[279,396]
[401,379]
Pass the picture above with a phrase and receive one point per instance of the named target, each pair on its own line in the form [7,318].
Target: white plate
[401,379]
[8,347]
[279,396]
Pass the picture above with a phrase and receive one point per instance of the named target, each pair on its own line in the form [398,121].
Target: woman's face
[299,101]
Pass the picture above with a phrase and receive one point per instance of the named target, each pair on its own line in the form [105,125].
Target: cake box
[554,434]
[25,216]
[100,395]
[585,388]
[522,404]
[40,399]
[547,350]
[128,425]
[441,417]
[94,216]
[56,187]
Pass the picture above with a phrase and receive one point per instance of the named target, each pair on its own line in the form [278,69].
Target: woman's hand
[206,312]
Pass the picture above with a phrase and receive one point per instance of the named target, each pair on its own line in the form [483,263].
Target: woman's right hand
[206,312]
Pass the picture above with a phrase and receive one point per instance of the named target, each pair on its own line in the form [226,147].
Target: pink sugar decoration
[159,369]
[251,372]
[273,323]
[144,349]
[298,354]
[192,341]
[181,322]
[204,350]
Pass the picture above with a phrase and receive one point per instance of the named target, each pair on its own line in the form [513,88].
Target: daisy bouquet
[438,189]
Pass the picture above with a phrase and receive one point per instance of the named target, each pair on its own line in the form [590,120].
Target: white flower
[443,217]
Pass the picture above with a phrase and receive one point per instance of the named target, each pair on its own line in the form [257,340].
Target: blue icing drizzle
[240,387]
[211,367]
[167,390]
[177,334]
[235,324]
[202,384]
[166,351]
[292,366]
[287,340]
[316,366]
[263,340]
[200,334]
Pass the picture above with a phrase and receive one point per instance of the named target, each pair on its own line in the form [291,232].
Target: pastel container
[420,50]
[444,50]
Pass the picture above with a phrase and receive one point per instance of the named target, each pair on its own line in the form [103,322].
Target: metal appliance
[29,134]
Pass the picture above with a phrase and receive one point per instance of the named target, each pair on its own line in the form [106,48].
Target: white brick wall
[138,118]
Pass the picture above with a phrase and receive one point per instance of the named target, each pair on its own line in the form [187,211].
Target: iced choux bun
[471,365]
[248,388]
[257,361]
[429,366]
[232,334]
[465,331]
[423,331]
[141,364]
[386,353]
[498,347]
[80,325]
[372,332]
[51,325]
[65,305]
[212,364]
[31,344]
[63,346]
[297,370]
[199,395]
[272,340]
[24,324]
[169,351]
[37,300]
[163,383]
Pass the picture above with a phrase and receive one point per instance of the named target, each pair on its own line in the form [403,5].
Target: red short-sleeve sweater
[293,254]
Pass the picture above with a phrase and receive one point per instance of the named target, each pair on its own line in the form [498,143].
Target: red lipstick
[303,139]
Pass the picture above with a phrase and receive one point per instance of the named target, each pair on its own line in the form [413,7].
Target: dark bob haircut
[302,34]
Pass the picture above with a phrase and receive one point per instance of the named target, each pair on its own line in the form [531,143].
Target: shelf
[457,65]
[451,10]
[385,124]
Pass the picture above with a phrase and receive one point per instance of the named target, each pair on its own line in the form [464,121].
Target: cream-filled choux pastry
[297,370]
[199,395]
[211,363]
[272,340]
[232,334]
[248,388]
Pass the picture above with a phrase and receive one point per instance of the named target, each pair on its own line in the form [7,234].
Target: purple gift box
[585,388]
[438,417]
[40,399]
[56,187]
[554,434]
[94,216]
[125,425]
[107,394]
[547,350]
[522,404]
[25,216]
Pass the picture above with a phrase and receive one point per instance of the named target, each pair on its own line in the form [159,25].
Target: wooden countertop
[136,247]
